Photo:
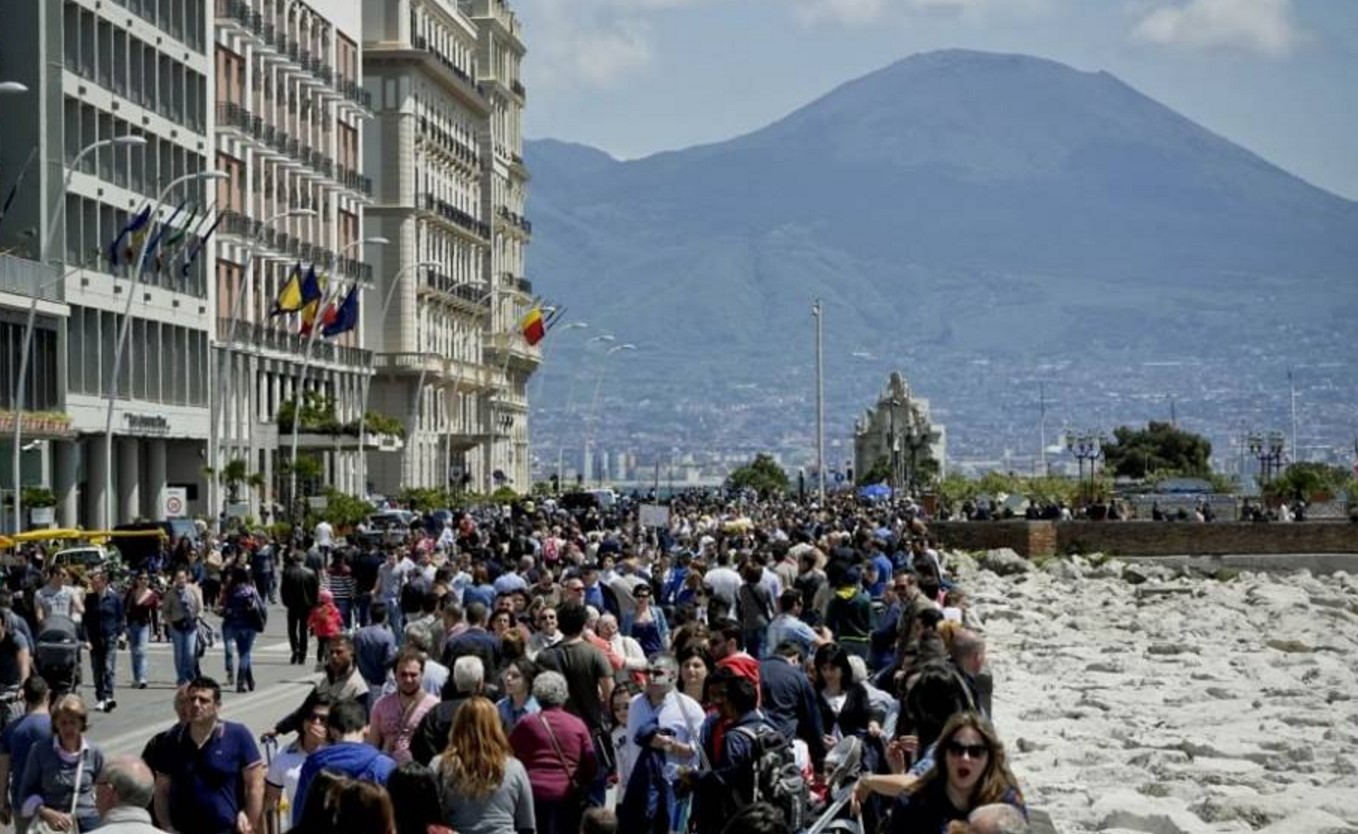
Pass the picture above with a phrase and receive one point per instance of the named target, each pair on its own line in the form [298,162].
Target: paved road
[279,687]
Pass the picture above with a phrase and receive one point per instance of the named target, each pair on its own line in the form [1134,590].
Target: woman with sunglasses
[648,625]
[280,782]
[970,771]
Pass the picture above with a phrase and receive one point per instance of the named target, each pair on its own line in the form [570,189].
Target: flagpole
[225,387]
[31,322]
[300,390]
[126,327]
[372,370]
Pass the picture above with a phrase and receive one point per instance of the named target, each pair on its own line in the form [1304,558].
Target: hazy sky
[634,77]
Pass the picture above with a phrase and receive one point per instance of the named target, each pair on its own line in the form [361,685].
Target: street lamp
[592,434]
[30,322]
[126,326]
[895,450]
[372,365]
[226,379]
[316,327]
[1269,450]
[1086,446]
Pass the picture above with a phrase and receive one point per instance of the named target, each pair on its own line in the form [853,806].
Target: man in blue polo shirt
[209,775]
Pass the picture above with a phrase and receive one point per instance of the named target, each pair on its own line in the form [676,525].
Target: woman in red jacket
[558,753]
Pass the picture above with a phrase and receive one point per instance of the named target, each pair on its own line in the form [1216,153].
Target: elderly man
[122,793]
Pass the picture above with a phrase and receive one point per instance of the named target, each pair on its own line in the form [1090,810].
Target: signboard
[239,509]
[655,515]
[317,502]
[174,502]
[42,516]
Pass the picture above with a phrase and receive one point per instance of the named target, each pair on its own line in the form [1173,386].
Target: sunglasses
[970,751]
[318,716]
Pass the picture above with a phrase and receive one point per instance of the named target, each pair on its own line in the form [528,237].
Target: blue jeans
[185,664]
[138,637]
[396,618]
[363,606]
[241,640]
[346,609]
[104,662]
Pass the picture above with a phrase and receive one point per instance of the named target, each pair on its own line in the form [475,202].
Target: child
[620,705]
[324,622]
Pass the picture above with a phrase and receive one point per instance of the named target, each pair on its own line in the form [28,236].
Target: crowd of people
[538,670]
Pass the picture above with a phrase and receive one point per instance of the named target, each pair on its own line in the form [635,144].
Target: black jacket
[789,703]
[300,588]
[431,735]
[854,716]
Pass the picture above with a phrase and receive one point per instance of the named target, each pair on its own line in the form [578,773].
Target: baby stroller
[57,655]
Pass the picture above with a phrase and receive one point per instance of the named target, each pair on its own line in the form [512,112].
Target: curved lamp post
[126,326]
[593,424]
[372,366]
[128,141]
[299,392]
[225,379]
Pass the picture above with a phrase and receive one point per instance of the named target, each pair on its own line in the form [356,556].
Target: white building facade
[445,157]
[97,71]
[291,110]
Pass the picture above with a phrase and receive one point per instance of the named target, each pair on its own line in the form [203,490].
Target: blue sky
[634,77]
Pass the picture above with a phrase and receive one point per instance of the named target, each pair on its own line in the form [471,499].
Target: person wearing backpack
[749,760]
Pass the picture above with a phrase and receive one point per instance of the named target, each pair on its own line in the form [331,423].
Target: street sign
[654,515]
[317,502]
[174,502]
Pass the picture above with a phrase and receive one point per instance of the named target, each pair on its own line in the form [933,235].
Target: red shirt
[533,746]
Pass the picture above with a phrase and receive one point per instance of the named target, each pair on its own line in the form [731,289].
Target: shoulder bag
[41,826]
[572,773]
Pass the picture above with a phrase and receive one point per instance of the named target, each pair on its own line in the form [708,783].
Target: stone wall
[1146,538]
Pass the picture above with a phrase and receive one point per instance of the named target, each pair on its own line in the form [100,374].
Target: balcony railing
[474,294]
[262,337]
[515,219]
[283,44]
[20,276]
[518,88]
[452,214]
[462,77]
[279,241]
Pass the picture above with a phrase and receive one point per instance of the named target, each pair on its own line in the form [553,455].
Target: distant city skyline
[637,77]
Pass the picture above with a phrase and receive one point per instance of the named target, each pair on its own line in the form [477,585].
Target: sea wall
[1148,538]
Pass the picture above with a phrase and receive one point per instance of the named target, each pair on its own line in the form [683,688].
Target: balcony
[511,282]
[474,295]
[436,64]
[516,220]
[254,336]
[511,346]
[20,276]
[518,88]
[452,214]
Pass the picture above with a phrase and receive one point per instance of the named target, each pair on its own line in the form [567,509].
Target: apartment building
[98,70]
[290,109]
[445,158]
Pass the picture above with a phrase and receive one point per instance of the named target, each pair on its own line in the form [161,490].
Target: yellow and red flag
[533,327]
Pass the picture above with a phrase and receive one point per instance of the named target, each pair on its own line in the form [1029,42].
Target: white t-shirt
[59,602]
[284,770]
[325,534]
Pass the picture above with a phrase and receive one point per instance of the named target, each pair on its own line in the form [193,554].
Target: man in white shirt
[325,536]
[680,719]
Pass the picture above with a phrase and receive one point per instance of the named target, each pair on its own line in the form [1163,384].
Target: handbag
[572,773]
[40,825]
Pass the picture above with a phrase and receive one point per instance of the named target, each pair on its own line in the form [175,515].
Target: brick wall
[1147,538]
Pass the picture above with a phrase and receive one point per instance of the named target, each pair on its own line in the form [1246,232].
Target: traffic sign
[174,502]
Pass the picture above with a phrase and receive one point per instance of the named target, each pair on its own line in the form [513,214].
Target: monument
[895,442]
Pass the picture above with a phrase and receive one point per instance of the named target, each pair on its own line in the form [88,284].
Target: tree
[878,473]
[343,511]
[1136,453]
[1310,481]
[762,475]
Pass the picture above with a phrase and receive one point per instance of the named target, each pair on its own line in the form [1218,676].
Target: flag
[312,294]
[533,327]
[164,227]
[309,318]
[346,317]
[198,246]
[134,227]
[289,299]
[14,191]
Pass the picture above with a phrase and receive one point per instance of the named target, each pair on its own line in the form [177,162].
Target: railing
[518,88]
[515,219]
[461,76]
[20,276]
[277,240]
[448,143]
[251,334]
[452,214]
[474,294]
[288,47]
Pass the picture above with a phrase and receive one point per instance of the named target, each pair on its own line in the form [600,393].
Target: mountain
[953,209]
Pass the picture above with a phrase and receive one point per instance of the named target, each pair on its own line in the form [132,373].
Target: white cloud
[588,43]
[851,12]
[1266,27]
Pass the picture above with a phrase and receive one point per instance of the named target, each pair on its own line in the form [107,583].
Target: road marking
[132,741]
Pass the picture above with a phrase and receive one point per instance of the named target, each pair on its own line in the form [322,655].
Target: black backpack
[777,778]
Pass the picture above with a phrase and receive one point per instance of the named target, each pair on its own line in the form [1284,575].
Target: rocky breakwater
[1140,699]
